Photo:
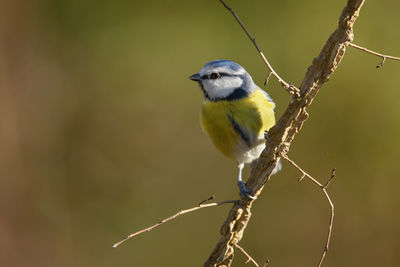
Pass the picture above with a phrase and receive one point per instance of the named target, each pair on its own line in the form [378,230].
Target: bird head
[224,79]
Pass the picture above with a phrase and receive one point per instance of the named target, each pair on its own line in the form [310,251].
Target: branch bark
[283,133]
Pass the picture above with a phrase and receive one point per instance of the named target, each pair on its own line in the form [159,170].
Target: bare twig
[302,177]
[267,79]
[304,174]
[249,258]
[333,174]
[382,62]
[200,206]
[384,57]
[288,87]
[205,200]
[323,187]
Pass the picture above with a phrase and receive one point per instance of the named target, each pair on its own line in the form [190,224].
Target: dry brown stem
[288,87]
[281,135]
[332,207]
[384,57]
[201,205]
[249,258]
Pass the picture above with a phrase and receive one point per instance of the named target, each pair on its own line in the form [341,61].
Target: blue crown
[224,63]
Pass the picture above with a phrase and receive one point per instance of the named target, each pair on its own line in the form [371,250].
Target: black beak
[195,77]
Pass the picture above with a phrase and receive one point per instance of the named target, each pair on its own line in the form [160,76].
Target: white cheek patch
[222,87]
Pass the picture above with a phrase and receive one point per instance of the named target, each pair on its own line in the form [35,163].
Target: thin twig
[302,177]
[148,229]
[384,57]
[205,200]
[249,258]
[267,79]
[288,87]
[333,174]
[323,187]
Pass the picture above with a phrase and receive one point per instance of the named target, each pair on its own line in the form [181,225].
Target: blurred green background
[99,133]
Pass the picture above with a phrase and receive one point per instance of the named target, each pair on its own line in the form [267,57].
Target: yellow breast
[237,126]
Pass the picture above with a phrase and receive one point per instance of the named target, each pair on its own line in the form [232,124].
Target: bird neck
[236,94]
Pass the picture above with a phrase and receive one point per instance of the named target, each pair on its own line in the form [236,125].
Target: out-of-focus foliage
[99,133]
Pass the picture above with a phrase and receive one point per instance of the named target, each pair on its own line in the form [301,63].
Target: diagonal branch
[282,134]
[332,207]
[384,57]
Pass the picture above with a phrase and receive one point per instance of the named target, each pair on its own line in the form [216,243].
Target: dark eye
[214,75]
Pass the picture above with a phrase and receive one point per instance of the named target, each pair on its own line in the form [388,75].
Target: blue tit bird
[235,113]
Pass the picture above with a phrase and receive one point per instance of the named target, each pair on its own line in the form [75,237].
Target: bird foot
[266,137]
[244,191]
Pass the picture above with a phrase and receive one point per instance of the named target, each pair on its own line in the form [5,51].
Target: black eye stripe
[212,76]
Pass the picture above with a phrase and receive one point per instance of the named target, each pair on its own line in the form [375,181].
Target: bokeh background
[99,133]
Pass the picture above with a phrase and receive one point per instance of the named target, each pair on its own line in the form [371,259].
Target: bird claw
[266,137]
[244,191]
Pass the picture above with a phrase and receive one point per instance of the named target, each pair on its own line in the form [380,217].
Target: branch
[288,87]
[201,205]
[384,57]
[323,187]
[282,134]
